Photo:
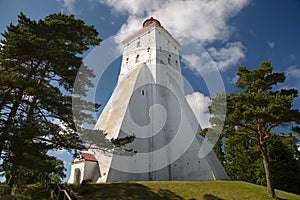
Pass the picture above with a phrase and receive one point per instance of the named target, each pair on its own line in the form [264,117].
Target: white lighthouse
[149,102]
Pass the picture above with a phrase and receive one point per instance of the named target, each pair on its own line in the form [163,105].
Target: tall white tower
[149,102]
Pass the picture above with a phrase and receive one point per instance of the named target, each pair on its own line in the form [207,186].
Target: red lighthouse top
[151,21]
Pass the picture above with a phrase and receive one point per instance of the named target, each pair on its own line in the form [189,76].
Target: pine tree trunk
[12,114]
[271,191]
[10,182]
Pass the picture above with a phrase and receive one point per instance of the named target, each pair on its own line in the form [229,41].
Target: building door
[77,175]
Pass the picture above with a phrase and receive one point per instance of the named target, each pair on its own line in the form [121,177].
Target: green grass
[28,192]
[207,190]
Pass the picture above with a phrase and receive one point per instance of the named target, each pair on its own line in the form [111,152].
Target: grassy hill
[29,192]
[207,190]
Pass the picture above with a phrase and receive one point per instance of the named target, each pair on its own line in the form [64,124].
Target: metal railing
[58,192]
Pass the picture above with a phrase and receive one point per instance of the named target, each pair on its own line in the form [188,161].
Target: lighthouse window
[148,49]
[169,60]
[143,92]
[137,58]
[138,44]
[160,49]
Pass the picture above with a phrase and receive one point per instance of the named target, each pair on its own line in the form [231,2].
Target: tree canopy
[259,108]
[243,161]
[39,61]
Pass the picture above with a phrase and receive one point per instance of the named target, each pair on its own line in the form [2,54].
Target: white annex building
[149,102]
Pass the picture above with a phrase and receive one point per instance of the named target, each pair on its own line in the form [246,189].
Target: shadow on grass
[211,197]
[167,194]
[121,191]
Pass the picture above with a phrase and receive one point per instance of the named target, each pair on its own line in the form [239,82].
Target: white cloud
[132,25]
[68,4]
[215,59]
[205,21]
[293,71]
[192,58]
[202,20]
[199,63]
[228,56]
[234,79]
[62,151]
[199,104]
[133,7]
[271,45]
[293,75]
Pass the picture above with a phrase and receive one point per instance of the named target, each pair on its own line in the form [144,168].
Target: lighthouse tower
[149,102]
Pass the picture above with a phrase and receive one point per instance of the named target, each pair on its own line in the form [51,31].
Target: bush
[84,182]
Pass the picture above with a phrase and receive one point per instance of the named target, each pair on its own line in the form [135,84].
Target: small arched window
[137,58]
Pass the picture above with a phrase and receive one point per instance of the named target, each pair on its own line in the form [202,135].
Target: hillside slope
[206,190]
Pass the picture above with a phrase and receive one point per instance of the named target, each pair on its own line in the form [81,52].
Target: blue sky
[233,32]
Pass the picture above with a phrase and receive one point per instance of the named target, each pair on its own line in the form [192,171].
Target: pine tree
[39,61]
[284,166]
[259,108]
[215,133]
[243,161]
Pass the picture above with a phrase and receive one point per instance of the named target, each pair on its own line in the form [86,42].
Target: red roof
[147,23]
[150,21]
[86,157]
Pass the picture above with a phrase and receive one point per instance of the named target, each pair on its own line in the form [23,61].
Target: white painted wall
[91,171]
[88,170]
[74,166]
